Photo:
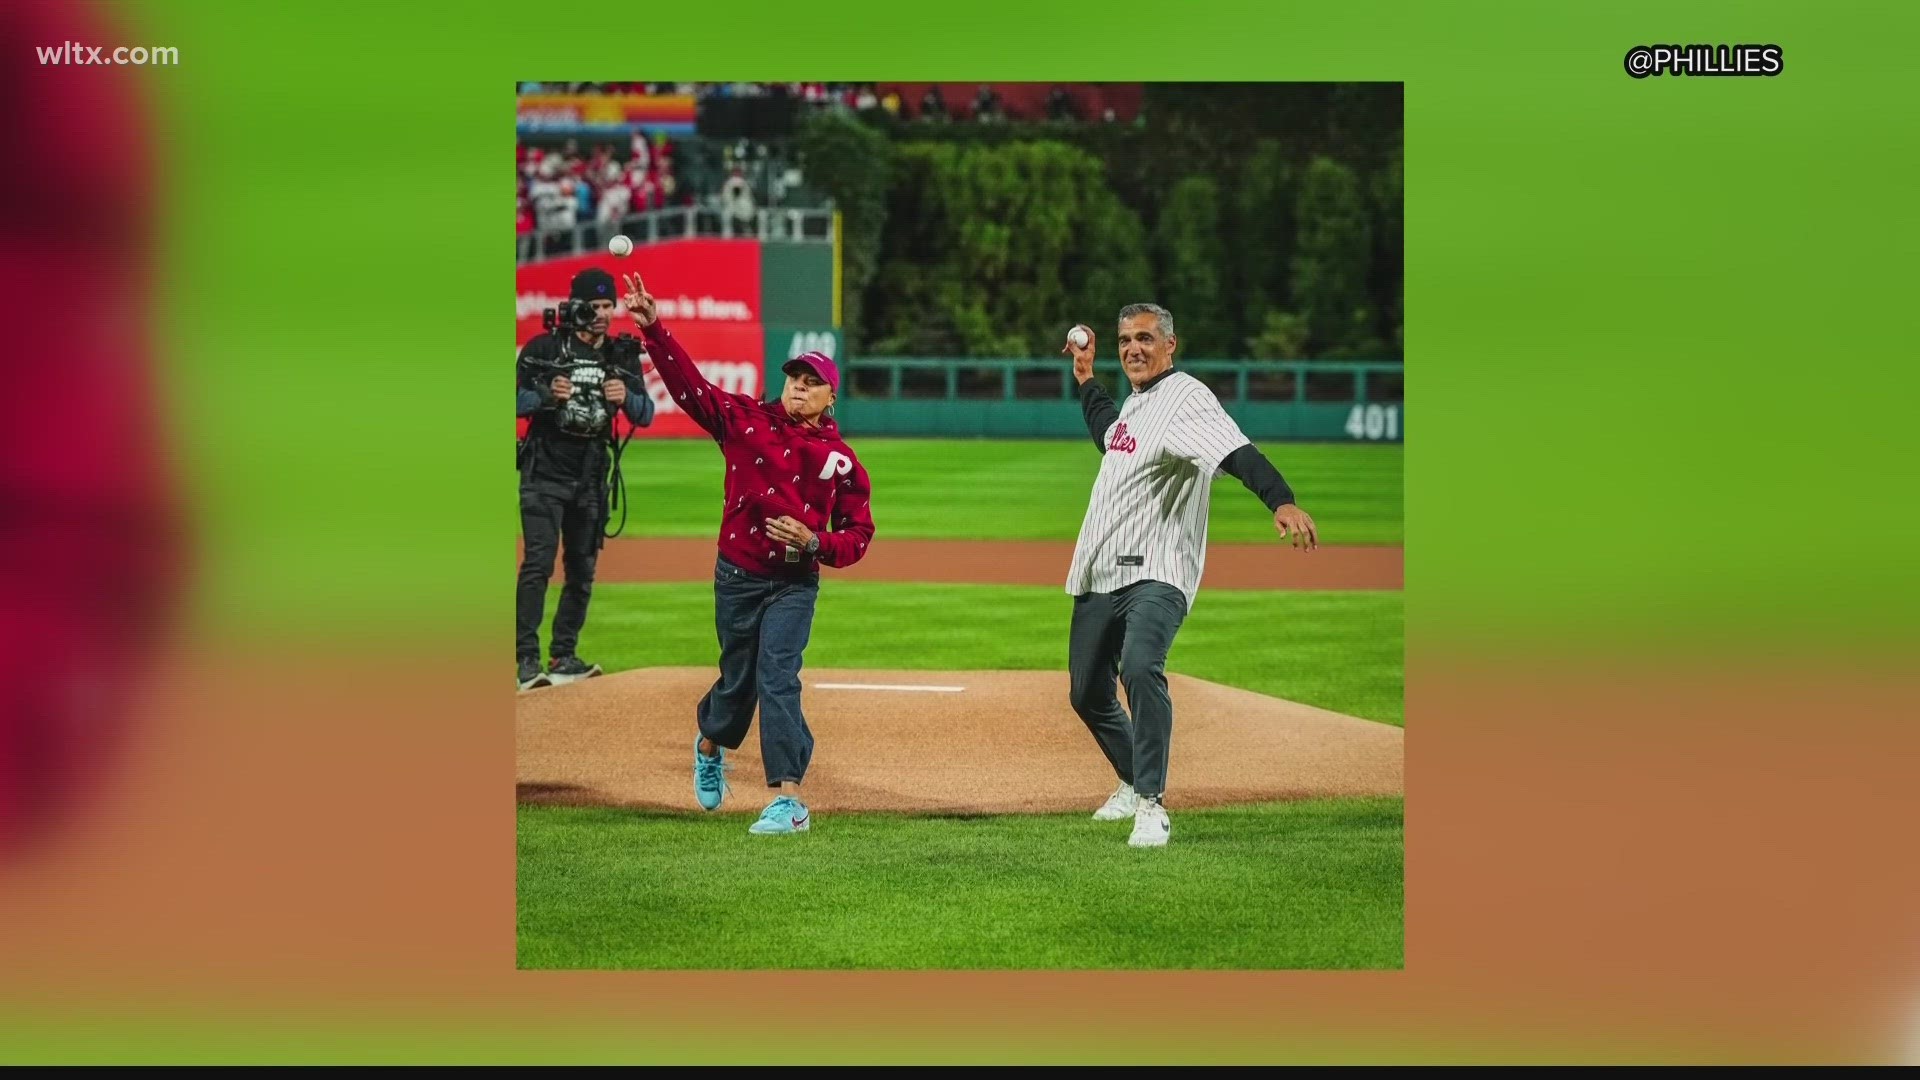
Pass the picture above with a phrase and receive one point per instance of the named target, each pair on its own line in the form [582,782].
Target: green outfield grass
[1025,489]
[1301,885]
[1336,650]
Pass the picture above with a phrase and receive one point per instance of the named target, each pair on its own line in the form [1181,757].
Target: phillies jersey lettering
[1147,517]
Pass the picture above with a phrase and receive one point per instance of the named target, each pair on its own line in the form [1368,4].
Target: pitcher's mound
[955,742]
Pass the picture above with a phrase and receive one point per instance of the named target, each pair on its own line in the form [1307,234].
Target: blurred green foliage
[1266,217]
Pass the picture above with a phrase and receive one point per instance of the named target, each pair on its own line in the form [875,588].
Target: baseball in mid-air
[1078,336]
[620,246]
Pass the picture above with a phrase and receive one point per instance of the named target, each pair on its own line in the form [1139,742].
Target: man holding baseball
[1136,566]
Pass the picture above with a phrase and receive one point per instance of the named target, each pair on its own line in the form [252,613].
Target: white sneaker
[1119,805]
[1150,825]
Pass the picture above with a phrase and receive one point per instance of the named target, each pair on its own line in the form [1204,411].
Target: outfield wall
[743,308]
[1270,399]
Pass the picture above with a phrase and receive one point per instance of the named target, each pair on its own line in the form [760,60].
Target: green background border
[1653,328]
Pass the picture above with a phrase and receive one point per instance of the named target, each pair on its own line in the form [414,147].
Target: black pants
[763,625]
[1126,635]
[554,513]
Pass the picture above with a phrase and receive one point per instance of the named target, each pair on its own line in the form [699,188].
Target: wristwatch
[813,545]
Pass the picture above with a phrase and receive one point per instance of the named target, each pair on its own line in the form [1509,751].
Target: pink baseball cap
[818,363]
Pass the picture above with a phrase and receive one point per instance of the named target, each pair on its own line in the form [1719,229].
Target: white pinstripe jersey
[1147,518]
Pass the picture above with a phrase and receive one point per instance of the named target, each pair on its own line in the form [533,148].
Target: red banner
[731,357]
[694,280]
[709,293]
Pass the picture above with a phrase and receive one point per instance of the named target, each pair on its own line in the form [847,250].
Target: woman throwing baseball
[789,477]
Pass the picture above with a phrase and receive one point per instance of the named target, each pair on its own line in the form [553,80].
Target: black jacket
[569,441]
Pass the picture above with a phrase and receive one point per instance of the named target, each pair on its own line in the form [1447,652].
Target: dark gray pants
[1126,634]
[553,513]
[763,624]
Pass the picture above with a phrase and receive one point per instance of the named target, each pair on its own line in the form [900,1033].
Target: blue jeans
[763,624]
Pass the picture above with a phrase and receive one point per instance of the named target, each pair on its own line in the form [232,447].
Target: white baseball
[1078,336]
[620,246]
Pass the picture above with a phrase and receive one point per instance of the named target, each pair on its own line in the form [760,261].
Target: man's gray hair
[1160,314]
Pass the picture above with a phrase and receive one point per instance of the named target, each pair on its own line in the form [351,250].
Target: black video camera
[626,351]
[572,316]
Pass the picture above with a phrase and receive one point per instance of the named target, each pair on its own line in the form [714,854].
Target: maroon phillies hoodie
[775,466]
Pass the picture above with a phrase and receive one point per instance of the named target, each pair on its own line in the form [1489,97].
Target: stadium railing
[785,224]
[1008,398]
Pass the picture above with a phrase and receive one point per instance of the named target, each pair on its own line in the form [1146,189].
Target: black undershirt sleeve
[1249,466]
[1099,410]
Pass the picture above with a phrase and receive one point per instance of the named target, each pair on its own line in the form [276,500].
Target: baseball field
[951,783]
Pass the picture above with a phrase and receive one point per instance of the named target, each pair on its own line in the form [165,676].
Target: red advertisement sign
[709,293]
[694,280]
[732,357]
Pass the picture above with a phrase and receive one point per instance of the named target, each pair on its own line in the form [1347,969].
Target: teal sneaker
[782,815]
[709,775]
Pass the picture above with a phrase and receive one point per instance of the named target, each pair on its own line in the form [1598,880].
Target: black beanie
[593,283]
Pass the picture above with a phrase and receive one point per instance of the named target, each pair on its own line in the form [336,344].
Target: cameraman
[571,379]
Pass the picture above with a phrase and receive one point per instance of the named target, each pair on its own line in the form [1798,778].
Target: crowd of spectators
[560,188]
[564,186]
